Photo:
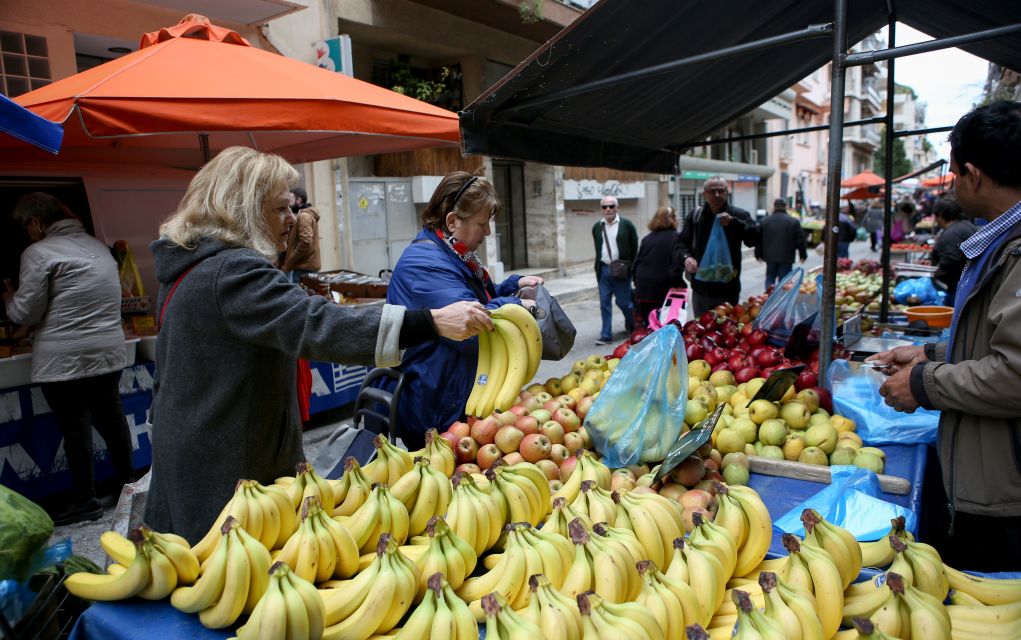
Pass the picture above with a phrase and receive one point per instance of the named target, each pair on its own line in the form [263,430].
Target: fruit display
[508,358]
[909,247]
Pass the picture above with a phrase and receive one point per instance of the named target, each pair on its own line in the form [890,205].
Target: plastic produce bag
[775,317]
[24,530]
[639,412]
[917,291]
[855,391]
[557,330]
[852,501]
[716,265]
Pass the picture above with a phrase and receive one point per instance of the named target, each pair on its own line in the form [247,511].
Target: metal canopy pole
[774,134]
[884,304]
[829,286]
[869,57]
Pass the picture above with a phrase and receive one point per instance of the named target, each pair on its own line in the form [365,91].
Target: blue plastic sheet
[851,501]
[855,391]
[716,264]
[639,413]
[15,597]
[918,291]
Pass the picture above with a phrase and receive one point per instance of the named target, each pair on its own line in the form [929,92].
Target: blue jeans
[843,249]
[619,289]
[775,271]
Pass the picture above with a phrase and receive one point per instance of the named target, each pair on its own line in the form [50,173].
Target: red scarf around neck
[467,256]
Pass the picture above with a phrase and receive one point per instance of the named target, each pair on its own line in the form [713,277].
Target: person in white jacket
[69,290]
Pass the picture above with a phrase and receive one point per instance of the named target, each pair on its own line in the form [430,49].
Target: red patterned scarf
[467,256]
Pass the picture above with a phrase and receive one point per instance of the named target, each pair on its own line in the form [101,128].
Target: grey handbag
[557,329]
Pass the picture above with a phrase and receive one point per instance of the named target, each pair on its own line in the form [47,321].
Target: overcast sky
[949,81]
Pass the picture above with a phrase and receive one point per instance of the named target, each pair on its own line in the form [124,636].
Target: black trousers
[702,302]
[969,541]
[80,404]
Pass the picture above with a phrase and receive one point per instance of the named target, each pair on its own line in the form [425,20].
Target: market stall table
[783,494]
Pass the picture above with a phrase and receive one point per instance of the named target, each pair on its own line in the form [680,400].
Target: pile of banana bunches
[404,547]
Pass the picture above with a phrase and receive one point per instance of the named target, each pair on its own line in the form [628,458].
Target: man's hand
[897,359]
[896,391]
[724,218]
[803,259]
[530,281]
[528,304]
[690,264]
[461,320]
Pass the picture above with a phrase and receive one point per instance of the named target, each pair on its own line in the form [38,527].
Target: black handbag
[619,269]
[557,330]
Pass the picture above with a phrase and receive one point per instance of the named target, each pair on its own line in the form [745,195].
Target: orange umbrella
[945,180]
[863,179]
[194,89]
[862,193]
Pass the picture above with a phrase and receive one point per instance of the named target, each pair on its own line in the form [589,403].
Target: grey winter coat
[70,290]
[224,400]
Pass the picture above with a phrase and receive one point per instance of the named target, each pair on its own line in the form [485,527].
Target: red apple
[552,405]
[508,439]
[737,362]
[535,447]
[757,337]
[558,453]
[450,437]
[567,468]
[567,418]
[513,458]
[584,406]
[553,430]
[507,417]
[488,455]
[767,358]
[573,441]
[746,374]
[466,449]
[484,431]
[523,408]
[527,425]
[825,399]
[567,401]
[467,468]
[695,352]
[621,350]
[462,429]
[806,380]
[723,366]
[690,471]
[697,498]
[549,468]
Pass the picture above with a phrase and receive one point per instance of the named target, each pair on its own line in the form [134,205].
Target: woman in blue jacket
[440,267]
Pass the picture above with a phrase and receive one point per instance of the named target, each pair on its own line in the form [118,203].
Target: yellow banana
[209,586]
[108,587]
[236,507]
[518,363]
[879,553]
[821,537]
[297,613]
[555,614]
[314,608]
[497,373]
[351,490]
[927,617]
[502,622]
[420,623]
[259,560]
[389,465]
[254,520]
[927,571]
[481,376]
[826,586]
[163,576]
[117,547]
[286,510]
[713,538]
[987,590]
[529,329]
[777,610]
[270,531]
[802,603]
[180,555]
[344,546]
[269,618]
[506,578]
[235,587]
[760,529]
[706,578]
[376,609]
[465,626]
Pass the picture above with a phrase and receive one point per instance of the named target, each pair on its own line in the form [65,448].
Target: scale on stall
[864,346]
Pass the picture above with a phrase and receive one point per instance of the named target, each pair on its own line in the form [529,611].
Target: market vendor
[946,256]
[973,378]
[232,328]
[438,268]
[70,290]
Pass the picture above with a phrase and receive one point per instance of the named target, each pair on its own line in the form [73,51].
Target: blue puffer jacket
[438,375]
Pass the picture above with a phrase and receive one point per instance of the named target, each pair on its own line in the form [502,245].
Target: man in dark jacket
[946,256]
[693,239]
[972,379]
[615,238]
[781,237]
[847,231]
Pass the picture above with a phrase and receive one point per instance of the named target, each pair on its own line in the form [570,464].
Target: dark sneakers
[602,341]
[90,510]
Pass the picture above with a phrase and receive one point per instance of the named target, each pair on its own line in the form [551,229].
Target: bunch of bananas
[527,552]
[391,462]
[561,516]
[984,590]
[439,451]
[555,614]
[841,545]
[381,513]
[232,581]
[503,623]
[425,493]
[868,631]
[174,547]
[603,620]
[375,600]
[703,571]
[711,537]
[509,356]
[267,513]
[445,553]
[655,520]
[879,553]
[743,513]
[149,574]
[908,613]
[306,482]
[473,514]
[351,490]
[601,566]
[753,623]
[290,609]
[440,616]
[918,565]
[588,467]
[321,548]
[595,503]
[671,602]
[521,491]
[974,620]
[811,569]
[793,609]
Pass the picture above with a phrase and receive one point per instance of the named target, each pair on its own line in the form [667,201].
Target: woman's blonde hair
[226,201]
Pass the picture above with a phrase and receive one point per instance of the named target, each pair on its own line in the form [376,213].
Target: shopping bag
[775,318]
[916,291]
[557,330]
[852,501]
[716,265]
[855,391]
[639,411]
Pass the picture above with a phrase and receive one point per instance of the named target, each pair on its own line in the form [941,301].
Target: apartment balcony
[872,100]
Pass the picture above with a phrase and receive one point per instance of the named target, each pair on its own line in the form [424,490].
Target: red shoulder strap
[170,294]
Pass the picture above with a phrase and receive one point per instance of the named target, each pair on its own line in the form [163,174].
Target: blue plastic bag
[918,291]
[778,315]
[851,501]
[855,391]
[716,265]
[639,412]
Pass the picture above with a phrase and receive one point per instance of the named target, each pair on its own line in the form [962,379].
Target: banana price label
[483,379]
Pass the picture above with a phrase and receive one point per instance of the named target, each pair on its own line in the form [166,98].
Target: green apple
[814,455]
[761,410]
[721,378]
[695,410]
[729,441]
[699,369]
[772,432]
[735,474]
[795,414]
[823,436]
[843,455]
[748,429]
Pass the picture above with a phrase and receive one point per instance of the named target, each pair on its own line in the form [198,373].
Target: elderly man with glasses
[616,242]
[693,239]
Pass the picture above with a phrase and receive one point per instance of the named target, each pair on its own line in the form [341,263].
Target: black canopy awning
[641,123]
